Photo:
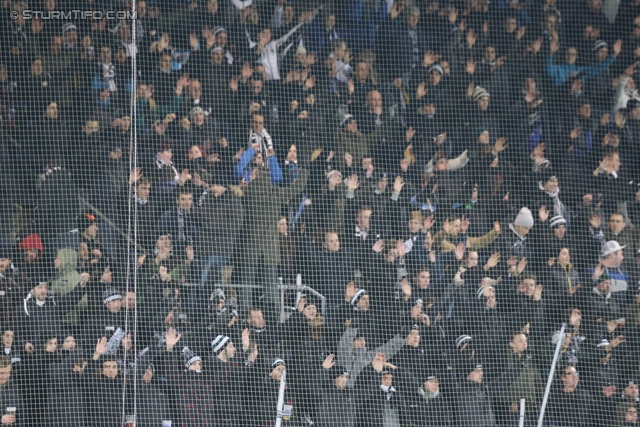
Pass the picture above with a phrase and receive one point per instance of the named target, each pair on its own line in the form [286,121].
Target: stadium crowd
[457,180]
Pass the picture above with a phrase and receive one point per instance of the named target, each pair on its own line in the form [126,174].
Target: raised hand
[171,338]
[353,183]
[328,362]
[246,339]
[101,347]
[459,251]
[543,213]
[398,184]
[378,246]
[428,223]
[494,259]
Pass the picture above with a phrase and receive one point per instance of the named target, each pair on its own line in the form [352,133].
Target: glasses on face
[571,374]
[632,411]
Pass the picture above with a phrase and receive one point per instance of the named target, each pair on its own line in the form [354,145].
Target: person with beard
[67,382]
[30,258]
[42,315]
[104,387]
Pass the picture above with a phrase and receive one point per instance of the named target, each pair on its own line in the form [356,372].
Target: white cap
[610,247]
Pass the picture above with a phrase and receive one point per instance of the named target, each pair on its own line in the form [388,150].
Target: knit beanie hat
[189,357]
[359,294]
[557,221]
[479,92]
[524,218]
[219,343]
[110,294]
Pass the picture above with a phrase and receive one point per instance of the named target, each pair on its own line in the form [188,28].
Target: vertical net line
[132,223]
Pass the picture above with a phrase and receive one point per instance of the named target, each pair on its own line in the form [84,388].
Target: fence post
[551,373]
[280,407]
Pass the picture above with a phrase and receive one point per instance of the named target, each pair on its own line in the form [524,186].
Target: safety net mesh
[331,213]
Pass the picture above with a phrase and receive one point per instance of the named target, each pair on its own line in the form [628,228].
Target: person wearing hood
[67,279]
[42,314]
[599,305]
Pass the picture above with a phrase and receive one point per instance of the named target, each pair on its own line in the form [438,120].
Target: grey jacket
[354,360]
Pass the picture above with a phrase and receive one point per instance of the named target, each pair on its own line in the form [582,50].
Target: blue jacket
[560,72]
[243,170]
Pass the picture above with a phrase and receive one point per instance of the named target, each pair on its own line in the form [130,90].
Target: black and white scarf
[389,390]
[108,75]
[558,206]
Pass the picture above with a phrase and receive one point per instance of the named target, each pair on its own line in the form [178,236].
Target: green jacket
[262,203]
